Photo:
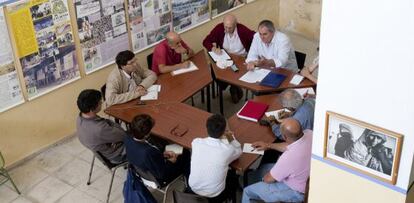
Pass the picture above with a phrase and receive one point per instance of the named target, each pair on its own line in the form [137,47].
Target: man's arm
[148,77]
[268,178]
[260,145]
[111,132]
[113,92]
[283,52]
[166,69]
[211,38]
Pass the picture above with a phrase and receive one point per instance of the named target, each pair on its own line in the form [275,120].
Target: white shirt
[279,49]
[233,44]
[210,159]
[131,83]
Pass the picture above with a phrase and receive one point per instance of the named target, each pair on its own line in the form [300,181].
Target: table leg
[221,99]
[208,99]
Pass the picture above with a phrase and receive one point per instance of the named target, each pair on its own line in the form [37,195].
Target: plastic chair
[180,197]
[300,59]
[4,173]
[111,166]
[150,181]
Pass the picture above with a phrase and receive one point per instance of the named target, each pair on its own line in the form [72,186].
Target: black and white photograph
[365,147]
[220,6]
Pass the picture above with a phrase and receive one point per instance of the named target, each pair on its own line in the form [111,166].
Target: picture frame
[362,147]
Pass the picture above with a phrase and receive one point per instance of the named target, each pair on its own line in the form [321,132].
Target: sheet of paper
[156,88]
[303,91]
[192,67]
[275,113]
[152,93]
[255,75]
[247,148]
[178,149]
[296,79]
[222,57]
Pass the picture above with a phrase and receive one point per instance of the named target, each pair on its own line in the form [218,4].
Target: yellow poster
[23,29]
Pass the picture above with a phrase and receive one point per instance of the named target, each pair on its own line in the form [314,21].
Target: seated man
[300,109]
[128,81]
[286,180]
[271,49]
[96,133]
[164,166]
[167,54]
[233,37]
[210,161]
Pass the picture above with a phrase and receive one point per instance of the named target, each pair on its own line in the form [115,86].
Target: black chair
[111,166]
[149,61]
[181,197]
[300,59]
[103,91]
[150,181]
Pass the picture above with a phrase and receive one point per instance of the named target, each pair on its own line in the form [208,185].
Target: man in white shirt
[210,159]
[271,49]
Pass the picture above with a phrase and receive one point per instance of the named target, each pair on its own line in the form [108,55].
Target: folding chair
[300,59]
[4,173]
[180,197]
[111,166]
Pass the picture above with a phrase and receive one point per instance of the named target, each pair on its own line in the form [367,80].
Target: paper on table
[192,67]
[254,76]
[177,149]
[303,91]
[222,57]
[296,79]
[247,148]
[152,93]
[275,113]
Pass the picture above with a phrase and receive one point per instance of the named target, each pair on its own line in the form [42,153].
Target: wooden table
[231,77]
[180,87]
[167,116]
[248,132]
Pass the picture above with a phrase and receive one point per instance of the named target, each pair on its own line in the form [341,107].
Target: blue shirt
[304,114]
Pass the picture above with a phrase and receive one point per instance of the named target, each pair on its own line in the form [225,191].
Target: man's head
[374,138]
[173,39]
[291,130]
[126,61]
[89,100]
[216,125]
[266,31]
[291,99]
[230,23]
[345,130]
[141,126]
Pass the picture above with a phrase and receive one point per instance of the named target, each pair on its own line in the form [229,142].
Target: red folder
[252,111]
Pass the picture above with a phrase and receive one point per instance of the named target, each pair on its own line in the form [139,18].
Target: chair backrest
[147,176]
[103,90]
[180,197]
[149,61]
[1,161]
[104,160]
[300,59]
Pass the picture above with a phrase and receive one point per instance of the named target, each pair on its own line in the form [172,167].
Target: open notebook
[192,67]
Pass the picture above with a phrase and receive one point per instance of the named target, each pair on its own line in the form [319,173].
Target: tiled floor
[59,174]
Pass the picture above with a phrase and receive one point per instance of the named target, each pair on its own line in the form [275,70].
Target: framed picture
[363,147]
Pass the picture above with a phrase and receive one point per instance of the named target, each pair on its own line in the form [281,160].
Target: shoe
[234,94]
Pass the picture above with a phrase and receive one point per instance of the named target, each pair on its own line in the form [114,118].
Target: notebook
[222,57]
[252,111]
[273,80]
[192,67]
[247,148]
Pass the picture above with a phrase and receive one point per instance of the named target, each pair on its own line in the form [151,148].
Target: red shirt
[163,54]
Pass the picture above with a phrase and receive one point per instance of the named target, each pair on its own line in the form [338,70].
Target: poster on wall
[150,20]
[220,6]
[45,46]
[189,13]
[102,31]
[10,91]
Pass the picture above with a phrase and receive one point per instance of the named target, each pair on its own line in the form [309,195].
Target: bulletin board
[221,6]
[189,13]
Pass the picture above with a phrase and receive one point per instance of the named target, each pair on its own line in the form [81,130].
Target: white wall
[367,70]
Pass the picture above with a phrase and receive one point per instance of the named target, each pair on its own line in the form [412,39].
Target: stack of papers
[275,113]
[307,90]
[255,75]
[152,93]
[177,149]
[222,57]
[296,79]
[192,67]
[247,148]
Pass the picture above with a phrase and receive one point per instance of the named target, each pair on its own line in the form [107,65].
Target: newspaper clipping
[189,13]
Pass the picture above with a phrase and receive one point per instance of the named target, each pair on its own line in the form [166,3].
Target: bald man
[233,37]
[167,54]
[284,181]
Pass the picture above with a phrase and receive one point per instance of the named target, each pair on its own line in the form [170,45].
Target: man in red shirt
[233,37]
[167,54]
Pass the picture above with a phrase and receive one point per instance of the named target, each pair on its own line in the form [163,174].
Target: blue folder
[273,80]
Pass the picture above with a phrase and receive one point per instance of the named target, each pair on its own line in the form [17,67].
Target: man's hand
[141,90]
[305,72]
[216,49]
[185,64]
[268,178]
[261,146]
[170,156]
[250,66]
[229,135]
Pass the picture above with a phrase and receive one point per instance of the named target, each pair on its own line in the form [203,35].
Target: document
[192,67]
[222,57]
[177,149]
[255,75]
[247,148]
[304,91]
[152,93]
[296,79]
[275,113]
